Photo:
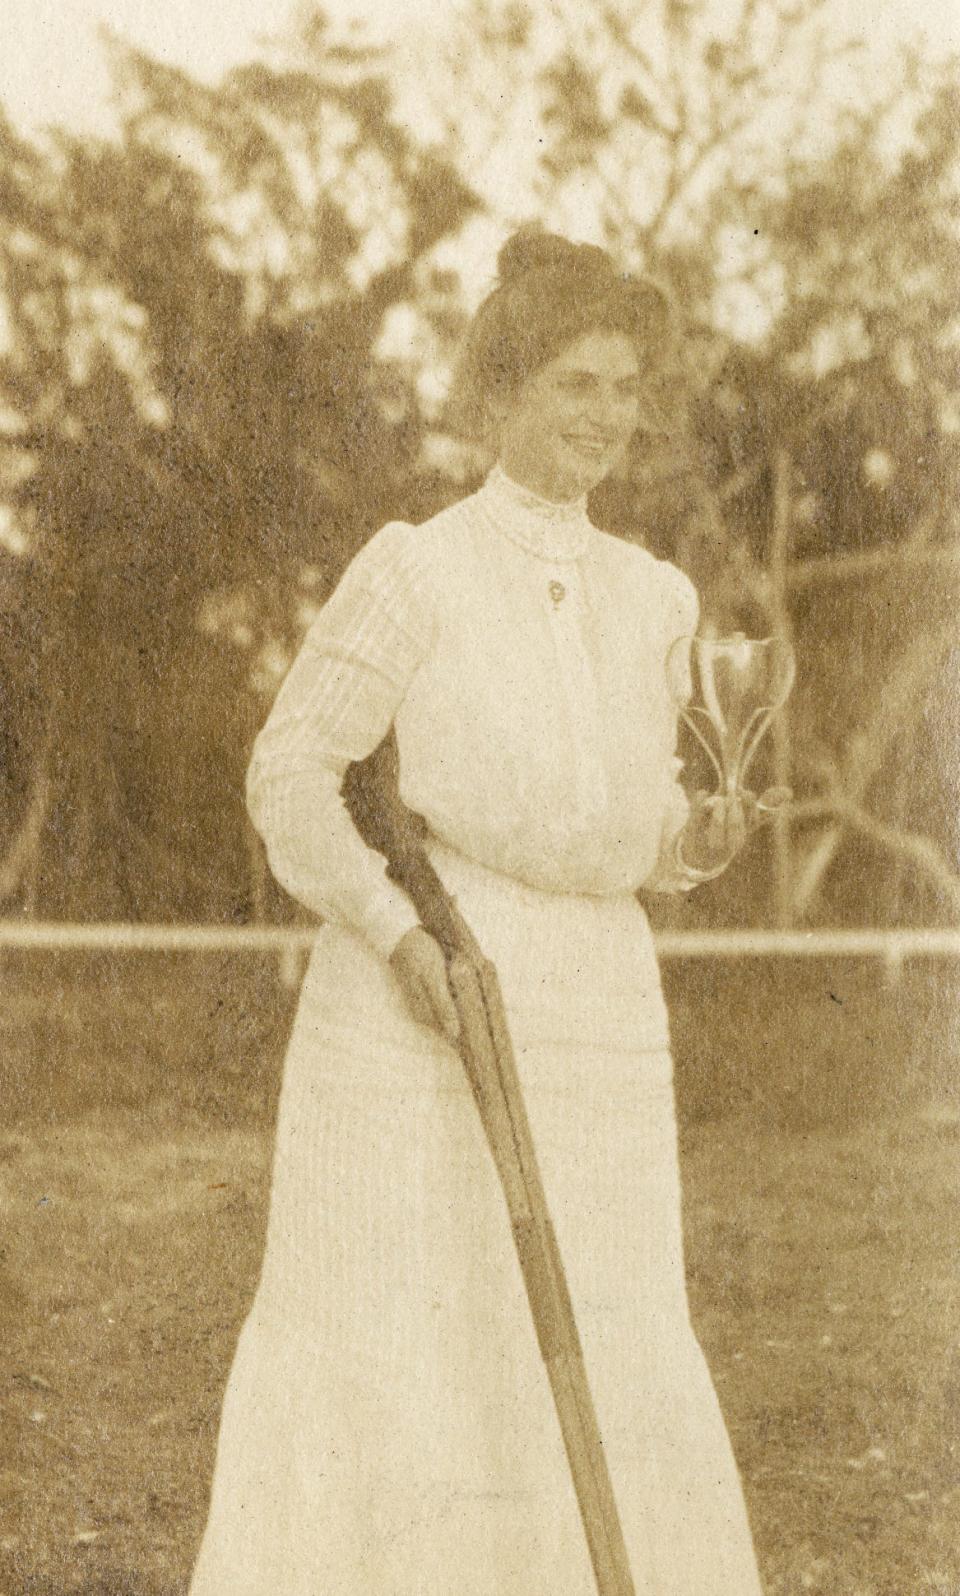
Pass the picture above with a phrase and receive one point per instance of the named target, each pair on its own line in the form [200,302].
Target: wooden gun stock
[371,793]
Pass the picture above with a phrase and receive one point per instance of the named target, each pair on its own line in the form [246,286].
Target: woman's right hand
[419,965]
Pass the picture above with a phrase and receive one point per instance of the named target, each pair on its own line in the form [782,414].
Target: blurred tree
[868,343]
[633,120]
[192,405]
[214,327]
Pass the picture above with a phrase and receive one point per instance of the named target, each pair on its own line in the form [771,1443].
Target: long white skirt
[388,1427]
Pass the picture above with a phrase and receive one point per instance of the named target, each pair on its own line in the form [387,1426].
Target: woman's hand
[419,966]
[719,824]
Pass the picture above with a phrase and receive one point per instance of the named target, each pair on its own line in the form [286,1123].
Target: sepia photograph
[479,798]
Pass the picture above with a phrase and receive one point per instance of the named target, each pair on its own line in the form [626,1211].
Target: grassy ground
[822,1250]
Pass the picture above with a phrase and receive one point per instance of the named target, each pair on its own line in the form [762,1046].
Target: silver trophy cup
[727,691]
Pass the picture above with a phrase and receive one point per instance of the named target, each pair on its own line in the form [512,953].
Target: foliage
[193,398]
[216,324]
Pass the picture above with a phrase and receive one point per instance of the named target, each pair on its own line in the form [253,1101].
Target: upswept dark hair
[549,293]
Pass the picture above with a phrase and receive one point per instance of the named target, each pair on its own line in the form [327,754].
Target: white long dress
[388,1428]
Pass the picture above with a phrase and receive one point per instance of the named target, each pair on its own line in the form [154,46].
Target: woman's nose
[609,412]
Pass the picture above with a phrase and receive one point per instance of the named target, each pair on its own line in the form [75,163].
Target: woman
[388,1428]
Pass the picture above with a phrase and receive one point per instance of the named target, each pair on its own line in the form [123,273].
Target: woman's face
[570,422]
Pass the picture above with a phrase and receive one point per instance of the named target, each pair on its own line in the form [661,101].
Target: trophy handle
[687,716]
[757,725]
[753,736]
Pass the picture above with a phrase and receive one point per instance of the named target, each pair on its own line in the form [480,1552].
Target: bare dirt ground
[822,1257]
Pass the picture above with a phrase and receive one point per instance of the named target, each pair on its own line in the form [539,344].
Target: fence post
[781,742]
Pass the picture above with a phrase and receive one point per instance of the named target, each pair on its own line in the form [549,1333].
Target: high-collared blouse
[520,654]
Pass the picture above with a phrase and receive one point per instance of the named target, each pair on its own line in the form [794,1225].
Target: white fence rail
[893,947]
[291,944]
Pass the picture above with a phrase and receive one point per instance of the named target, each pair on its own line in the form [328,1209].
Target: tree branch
[911,845]
[833,567]
[866,754]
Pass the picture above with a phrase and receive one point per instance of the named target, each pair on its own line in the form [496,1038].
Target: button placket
[580,692]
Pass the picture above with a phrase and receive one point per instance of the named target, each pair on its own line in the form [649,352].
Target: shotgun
[371,793]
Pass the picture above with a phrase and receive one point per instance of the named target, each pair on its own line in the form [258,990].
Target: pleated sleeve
[336,704]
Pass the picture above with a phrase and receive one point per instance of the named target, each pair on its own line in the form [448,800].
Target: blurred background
[236,256]
[226,323]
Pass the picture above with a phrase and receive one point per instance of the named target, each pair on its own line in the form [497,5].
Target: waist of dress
[458,868]
[576,971]
[583,964]
[550,863]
